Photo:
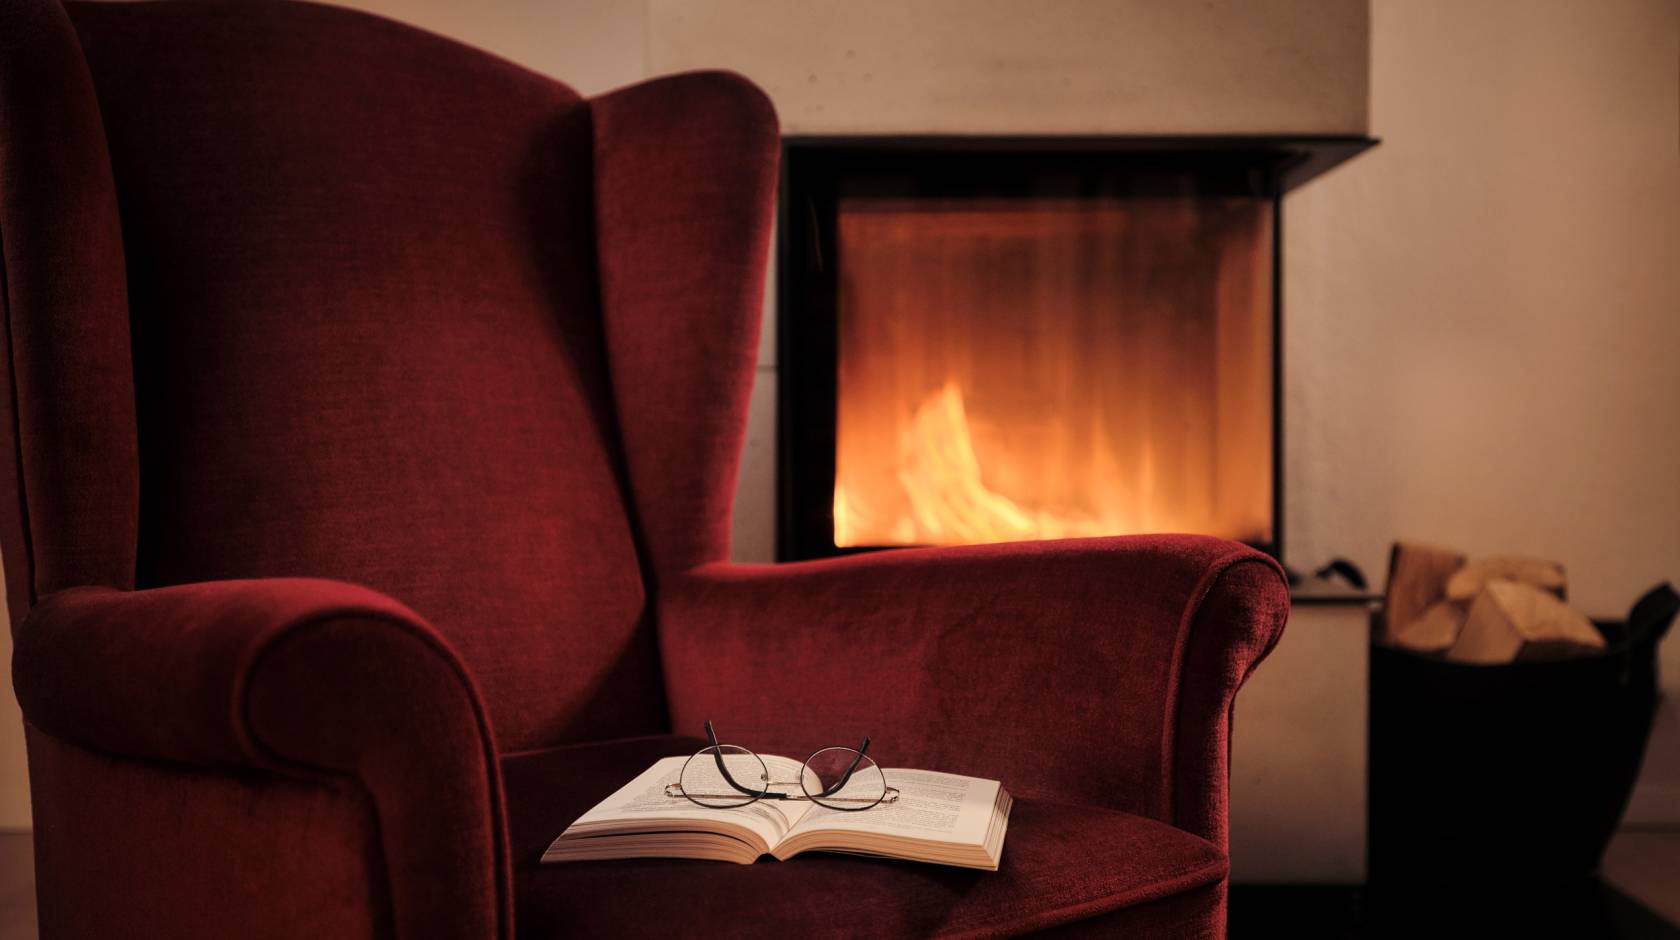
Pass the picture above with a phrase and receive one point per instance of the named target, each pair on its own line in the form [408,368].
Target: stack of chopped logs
[1498,609]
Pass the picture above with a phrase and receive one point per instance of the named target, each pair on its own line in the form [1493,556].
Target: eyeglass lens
[703,778]
[842,778]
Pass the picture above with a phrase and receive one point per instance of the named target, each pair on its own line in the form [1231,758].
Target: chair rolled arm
[304,677]
[1099,671]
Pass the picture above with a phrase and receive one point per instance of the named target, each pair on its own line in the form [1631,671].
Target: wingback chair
[371,421]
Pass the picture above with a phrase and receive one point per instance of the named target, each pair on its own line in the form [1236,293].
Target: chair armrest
[1099,671]
[304,677]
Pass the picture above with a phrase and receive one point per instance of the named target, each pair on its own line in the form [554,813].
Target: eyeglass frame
[889,794]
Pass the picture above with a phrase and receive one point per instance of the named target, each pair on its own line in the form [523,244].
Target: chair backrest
[294,290]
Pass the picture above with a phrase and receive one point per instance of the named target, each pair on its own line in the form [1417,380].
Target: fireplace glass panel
[1053,367]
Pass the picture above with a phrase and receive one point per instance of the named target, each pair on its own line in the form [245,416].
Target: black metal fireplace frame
[817,170]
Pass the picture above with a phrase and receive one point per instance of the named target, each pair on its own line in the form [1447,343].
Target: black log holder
[1514,776]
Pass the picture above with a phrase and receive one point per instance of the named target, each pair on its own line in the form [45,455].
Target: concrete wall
[14,769]
[1050,66]
[1483,314]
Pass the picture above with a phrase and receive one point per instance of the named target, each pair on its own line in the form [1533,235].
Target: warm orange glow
[948,500]
[1053,369]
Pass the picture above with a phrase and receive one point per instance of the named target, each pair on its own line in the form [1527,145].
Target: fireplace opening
[1047,368]
[994,341]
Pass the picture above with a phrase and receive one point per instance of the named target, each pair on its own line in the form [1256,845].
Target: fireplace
[989,340]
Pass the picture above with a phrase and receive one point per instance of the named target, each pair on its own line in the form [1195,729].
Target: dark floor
[1645,863]
[1586,911]
[1639,900]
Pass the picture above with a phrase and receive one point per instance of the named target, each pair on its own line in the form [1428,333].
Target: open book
[945,819]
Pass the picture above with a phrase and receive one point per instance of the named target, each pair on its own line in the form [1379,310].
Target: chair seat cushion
[1062,865]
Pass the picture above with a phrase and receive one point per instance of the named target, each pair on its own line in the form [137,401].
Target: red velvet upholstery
[975,660]
[273,674]
[675,164]
[372,414]
[70,508]
[148,849]
[367,341]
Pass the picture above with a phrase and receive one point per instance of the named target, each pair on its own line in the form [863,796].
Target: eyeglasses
[723,776]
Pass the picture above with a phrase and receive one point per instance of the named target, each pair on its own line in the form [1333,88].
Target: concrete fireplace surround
[1480,334]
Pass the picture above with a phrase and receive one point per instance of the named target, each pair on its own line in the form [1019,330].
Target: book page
[642,806]
[931,806]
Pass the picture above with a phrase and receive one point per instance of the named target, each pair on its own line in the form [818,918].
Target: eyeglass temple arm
[847,776]
[717,755]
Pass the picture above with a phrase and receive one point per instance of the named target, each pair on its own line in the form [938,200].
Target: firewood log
[1436,630]
[1510,621]
[1417,579]
[1468,581]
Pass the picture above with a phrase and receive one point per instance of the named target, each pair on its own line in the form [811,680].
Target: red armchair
[372,416]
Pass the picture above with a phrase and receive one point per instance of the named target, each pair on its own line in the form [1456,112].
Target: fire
[949,502]
[1052,369]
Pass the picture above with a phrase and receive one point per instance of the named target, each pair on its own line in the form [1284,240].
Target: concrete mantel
[1051,67]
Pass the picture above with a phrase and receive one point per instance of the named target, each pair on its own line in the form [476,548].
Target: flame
[949,501]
